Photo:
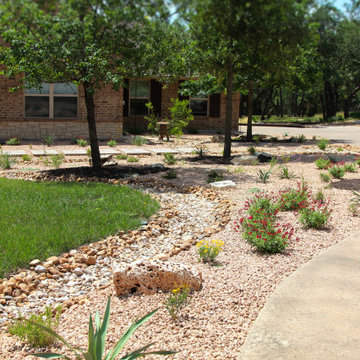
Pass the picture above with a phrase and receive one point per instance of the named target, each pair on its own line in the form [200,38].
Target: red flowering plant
[316,214]
[294,199]
[259,225]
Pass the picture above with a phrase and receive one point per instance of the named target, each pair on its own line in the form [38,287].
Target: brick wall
[108,115]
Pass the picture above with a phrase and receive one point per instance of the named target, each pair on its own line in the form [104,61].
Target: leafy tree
[92,43]
[238,42]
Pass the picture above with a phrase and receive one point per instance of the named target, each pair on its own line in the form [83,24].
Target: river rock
[147,276]
[245,160]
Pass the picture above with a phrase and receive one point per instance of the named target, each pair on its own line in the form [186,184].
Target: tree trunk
[94,145]
[281,104]
[250,112]
[347,102]
[267,100]
[228,118]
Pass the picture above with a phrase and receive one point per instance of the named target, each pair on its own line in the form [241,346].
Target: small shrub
[214,176]
[236,170]
[354,208]
[209,249]
[251,150]
[138,141]
[349,168]
[285,173]
[339,149]
[88,153]
[294,199]
[49,140]
[262,231]
[152,120]
[285,135]
[97,340]
[26,158]
[264,175]
[170,159]
[180,116]
[200,151]
[57,160]
[322,144]
[319,196]
[13,141]
[132,159]
[337,171]
[325,177]
[81,142]
[301,138]
[315,217]
[26,330]
[6,161]
[171,174]
[121,157]
[323,163]
[357,160]
[112,143]
[177,299]
[261,203]
[274,139]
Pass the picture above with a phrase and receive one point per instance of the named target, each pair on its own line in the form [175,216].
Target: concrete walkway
[313,314]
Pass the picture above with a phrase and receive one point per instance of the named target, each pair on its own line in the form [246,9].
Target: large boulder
[245,160]
[147,276]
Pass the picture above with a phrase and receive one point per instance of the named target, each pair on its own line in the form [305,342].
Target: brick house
[59,109]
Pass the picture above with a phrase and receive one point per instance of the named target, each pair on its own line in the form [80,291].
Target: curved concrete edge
[314,313]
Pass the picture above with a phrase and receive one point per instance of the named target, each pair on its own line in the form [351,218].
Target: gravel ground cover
[215,323]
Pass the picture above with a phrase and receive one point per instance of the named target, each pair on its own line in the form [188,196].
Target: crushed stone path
[315,313]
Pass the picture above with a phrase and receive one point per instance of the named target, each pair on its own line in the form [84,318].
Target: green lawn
[38,220]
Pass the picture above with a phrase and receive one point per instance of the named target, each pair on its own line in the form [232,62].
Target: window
[199,105]
[139,96]
[58,100]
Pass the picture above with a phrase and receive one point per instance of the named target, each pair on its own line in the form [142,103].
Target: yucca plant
[97,338]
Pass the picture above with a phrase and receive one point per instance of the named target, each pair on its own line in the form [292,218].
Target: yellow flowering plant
[177,299]
[209,249]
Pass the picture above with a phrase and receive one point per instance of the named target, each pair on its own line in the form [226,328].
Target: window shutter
[215,105]
[126,98]
[155,96]
[181,97]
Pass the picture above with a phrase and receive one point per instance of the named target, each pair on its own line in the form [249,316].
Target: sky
[340,4]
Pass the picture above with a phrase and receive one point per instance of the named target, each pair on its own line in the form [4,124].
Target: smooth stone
[245,160]
[160,151]
[223,184]
[40,269]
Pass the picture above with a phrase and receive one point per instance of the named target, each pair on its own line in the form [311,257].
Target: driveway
[348,134]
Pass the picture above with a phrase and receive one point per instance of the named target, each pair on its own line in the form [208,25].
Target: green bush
[121,157]
[323,163]
[36,337]
[350,168]
[26,157]
[322,144]
[251,150]
[180,116]
[152,120]
[97,340]
[138,140]
[49,140]
[294,199]
[177,299]
[6,161]
[171,174]
[170,159]
[132,159]
[337,172]
[13,141]
[301,138]
[314,219]
[57,160]
[112,143]
[81,142]
[200,151]
[325,177]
